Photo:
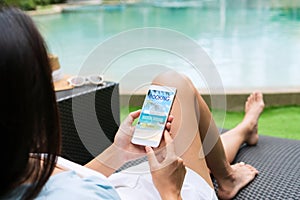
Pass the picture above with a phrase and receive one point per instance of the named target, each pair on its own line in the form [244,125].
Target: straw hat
[59,79]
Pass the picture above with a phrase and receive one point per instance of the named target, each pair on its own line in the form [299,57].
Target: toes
[252,169]
[258,96]
[252,97]
[248,100]
[255,96]
[256,99]
[255,171]
[249,167]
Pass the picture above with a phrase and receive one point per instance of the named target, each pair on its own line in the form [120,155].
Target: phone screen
[154,115]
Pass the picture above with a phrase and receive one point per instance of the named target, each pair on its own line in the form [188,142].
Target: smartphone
[154,115]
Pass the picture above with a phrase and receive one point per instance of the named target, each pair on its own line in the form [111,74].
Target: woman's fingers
[168,126]
[167,137]
[169,145]
[154,164]
[169,122]
[170,118]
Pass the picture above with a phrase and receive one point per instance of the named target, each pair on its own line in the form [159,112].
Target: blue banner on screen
[151,121]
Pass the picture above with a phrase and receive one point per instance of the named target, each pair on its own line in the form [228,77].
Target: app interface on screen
[155,112]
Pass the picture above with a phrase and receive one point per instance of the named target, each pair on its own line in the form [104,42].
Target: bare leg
[246,131]
[185,130]
[230,178]
[192,125]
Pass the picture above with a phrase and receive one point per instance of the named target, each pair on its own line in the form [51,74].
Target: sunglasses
[78,81]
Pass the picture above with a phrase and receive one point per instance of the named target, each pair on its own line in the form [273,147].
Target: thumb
[135,114]
[153,163]
[132,116]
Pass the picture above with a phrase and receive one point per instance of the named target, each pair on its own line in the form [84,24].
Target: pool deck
[273,98]
[235,98]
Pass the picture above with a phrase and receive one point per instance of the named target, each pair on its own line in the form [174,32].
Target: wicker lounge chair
[278,160]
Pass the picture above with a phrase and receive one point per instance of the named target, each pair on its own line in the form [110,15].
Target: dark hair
[28,114]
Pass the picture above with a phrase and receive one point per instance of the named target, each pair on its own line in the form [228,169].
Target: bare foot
[240,175]
[253,108]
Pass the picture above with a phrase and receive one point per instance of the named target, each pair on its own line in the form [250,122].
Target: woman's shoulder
[73,182]
[69,185]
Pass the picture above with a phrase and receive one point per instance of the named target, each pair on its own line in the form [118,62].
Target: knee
[174,79]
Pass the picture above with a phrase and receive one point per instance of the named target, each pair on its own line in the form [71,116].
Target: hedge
[30,4]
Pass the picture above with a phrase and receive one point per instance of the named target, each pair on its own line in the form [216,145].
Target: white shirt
[135,183]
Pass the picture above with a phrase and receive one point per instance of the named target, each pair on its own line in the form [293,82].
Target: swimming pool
[251,47]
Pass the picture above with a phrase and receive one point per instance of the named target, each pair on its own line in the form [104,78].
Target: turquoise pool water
[251,47]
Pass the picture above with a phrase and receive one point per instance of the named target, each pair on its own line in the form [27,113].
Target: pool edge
[235,98]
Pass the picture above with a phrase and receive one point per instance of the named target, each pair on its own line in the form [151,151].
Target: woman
[29,117]
[29,124]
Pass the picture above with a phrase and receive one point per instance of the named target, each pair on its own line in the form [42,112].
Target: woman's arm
[121,151]
[107,162]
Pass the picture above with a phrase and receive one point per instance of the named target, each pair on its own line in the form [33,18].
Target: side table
[89,117]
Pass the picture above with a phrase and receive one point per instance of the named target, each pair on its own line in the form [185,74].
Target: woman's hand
[123,138]
[122,150]
[167,175]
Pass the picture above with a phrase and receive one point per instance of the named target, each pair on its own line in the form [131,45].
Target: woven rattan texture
[107,113]
[278,161]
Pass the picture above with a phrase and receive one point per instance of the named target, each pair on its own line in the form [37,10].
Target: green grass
[283,122]
[280,122]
